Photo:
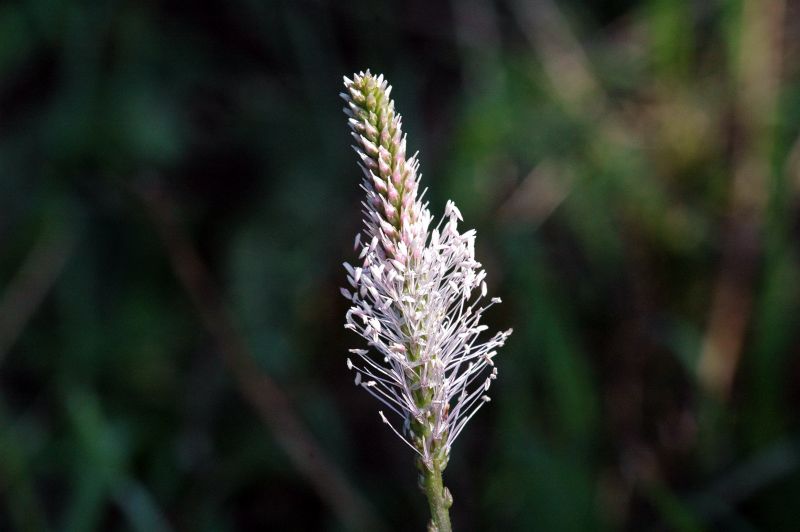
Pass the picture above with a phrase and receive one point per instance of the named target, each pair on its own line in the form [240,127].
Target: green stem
[439,499]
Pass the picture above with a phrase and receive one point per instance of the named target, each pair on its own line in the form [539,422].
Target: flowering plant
[417,298]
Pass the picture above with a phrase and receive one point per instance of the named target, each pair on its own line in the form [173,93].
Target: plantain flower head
[417,292]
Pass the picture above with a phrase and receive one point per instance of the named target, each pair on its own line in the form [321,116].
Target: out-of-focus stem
[34,280]
[758,74]
[270,401]
[439,498]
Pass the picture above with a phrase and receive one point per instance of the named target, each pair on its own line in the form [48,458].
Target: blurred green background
[178,195]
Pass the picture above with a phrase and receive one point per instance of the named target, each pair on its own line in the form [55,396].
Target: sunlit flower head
[417,293]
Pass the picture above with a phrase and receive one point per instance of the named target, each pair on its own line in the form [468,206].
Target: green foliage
[623,162]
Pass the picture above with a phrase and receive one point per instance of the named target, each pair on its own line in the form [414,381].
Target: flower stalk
[439,498]
[417,298]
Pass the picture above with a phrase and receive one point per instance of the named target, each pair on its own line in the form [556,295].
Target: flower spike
[417,295]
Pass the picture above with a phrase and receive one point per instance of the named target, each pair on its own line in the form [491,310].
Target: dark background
[177,195]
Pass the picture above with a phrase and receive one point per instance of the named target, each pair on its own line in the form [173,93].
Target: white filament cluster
[417,295]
